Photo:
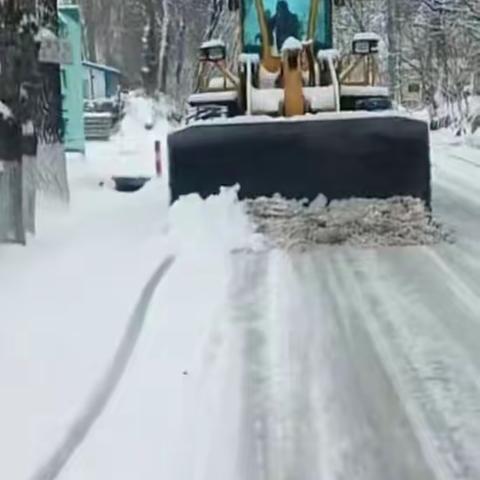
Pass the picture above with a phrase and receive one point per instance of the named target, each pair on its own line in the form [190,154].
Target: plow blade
[367,157]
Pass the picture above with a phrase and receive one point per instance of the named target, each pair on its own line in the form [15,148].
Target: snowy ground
[336,364]
[66,298]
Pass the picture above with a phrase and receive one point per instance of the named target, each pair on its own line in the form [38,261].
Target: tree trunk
[392,45]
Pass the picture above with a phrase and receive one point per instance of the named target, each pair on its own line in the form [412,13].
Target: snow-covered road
[341,363]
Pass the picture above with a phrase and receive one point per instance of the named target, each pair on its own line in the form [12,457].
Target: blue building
[103,103]
[100,81]
[70,21]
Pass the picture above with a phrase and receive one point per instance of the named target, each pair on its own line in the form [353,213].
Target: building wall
[72,82]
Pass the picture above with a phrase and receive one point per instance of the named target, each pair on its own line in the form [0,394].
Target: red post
[158,158]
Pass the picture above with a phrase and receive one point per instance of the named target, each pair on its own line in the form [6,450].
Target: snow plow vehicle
[294,117]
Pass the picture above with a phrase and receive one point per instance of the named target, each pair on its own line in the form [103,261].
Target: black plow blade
[364,157]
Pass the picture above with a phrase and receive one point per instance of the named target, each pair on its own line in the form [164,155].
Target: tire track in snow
[280,440]
[297,388]
[248,304]
[430,359]
[458,188]
[103,392]
[464,160]
[280,435]
[452,153]
[392,424]
[460,179]
[461,289]
[373,305]
[318,402]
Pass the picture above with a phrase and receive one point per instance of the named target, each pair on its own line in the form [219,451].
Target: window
[286,18]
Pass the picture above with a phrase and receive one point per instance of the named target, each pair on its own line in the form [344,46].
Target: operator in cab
[283,24]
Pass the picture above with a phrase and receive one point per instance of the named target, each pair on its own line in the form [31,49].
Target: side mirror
[213,51]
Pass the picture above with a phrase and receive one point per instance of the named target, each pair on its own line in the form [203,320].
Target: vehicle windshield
[285,18]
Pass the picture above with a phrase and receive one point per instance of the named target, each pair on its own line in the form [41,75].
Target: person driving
[284,24]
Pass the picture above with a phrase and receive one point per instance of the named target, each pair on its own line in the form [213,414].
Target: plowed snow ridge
[292,224]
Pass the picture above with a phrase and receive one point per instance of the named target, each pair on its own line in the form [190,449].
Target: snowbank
[217,224]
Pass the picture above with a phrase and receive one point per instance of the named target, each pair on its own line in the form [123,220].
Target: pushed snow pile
[292,224]
[218,224]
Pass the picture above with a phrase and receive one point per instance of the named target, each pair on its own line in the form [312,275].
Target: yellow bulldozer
[294,116]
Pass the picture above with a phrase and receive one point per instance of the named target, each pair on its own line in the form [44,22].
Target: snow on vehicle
[296,118]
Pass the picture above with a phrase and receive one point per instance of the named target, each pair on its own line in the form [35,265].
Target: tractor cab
[288,69]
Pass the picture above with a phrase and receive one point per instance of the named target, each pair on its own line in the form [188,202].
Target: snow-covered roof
[292,44]
[99,66]
[5,112]
[216,42]
[45,34]
[366,36]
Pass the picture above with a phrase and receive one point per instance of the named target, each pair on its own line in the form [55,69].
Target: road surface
[335,364]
